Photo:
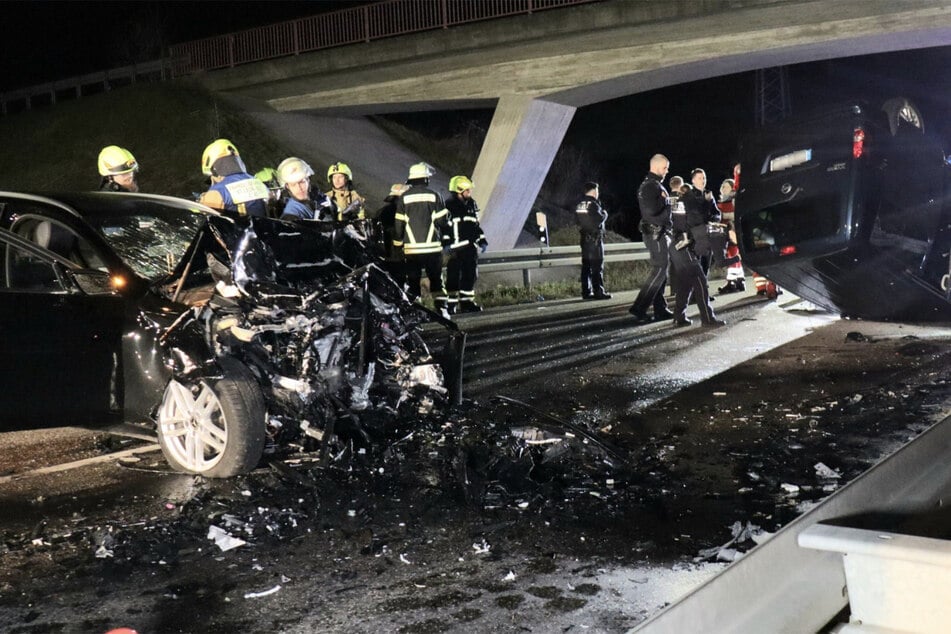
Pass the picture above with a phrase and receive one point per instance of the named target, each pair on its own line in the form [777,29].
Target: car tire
[213,427]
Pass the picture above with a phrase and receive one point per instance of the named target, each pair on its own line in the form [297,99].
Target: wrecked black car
[847,207]
[233,336]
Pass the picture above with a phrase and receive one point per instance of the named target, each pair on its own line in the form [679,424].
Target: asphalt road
[711,422]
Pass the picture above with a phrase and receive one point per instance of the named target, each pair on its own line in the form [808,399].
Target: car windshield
[152,240]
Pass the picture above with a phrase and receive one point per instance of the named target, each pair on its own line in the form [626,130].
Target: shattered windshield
[152,240]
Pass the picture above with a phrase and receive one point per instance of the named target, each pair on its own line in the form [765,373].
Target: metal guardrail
[75,87]
[348,26]
[525,260]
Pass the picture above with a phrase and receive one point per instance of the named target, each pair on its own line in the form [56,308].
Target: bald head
[659,165]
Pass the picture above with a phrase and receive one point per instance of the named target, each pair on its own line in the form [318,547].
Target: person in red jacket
[735,276]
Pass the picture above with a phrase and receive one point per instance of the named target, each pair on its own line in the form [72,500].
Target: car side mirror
[93,281]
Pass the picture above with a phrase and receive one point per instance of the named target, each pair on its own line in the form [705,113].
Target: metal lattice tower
[772,95]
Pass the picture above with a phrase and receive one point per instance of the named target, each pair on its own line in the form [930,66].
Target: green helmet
[339,168]
[459,184]
[268,176]
[115,160]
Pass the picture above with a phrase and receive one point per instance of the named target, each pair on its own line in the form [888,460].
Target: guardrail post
[527,278]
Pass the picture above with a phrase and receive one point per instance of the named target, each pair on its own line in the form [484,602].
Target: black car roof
[94,204]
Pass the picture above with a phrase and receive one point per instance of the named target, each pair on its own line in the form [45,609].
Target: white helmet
[420,170]
[293,170]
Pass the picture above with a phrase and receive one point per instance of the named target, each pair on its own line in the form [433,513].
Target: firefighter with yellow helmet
[232,189]
[268,176]
[350,205]
[421,229]
[467,240]
[119,170]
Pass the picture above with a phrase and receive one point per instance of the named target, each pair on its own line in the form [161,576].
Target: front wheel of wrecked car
[213,427]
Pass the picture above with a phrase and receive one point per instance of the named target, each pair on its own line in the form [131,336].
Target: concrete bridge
[537,69]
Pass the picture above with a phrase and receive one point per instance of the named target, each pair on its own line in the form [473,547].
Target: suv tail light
[858,142]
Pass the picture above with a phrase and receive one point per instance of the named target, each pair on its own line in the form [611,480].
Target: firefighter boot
[469,306]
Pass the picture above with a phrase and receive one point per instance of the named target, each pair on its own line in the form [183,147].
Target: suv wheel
[213,427]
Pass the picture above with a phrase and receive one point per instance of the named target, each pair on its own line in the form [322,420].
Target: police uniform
[467,239]
[654,203]
[591,216]
[689,278]
[420,227]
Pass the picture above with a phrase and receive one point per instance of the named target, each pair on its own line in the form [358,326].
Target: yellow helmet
[420,170]
[339,168]
[216,150]
[293,170]
[459,184]
[114,160]
[268,175]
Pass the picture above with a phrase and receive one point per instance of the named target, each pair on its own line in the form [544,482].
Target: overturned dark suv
[849,209]
[231,336]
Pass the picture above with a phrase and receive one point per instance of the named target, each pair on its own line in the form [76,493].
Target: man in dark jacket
[703,221]
[466,241]
[690,282]
[654,202]
[591,216]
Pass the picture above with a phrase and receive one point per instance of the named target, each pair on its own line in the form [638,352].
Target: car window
[25,272]
[150,244]
[59,239]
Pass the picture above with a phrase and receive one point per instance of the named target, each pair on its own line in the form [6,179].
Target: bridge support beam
[520,146]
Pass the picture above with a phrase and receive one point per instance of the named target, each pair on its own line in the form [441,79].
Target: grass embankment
[166,127]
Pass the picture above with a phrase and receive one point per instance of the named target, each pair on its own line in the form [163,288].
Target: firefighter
[119,170]
[268,176]
[232,189]
[466,241]
[384,220]
[303,202]
[350,205]
[421,228]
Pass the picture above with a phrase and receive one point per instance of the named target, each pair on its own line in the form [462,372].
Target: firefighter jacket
[238,193]
[350,205]
[312,209]
[464,222]
[590,216]
[653,200]
[422,222]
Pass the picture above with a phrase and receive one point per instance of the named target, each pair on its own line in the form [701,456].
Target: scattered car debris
[263,593]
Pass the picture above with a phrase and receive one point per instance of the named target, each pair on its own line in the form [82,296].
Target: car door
[60,360]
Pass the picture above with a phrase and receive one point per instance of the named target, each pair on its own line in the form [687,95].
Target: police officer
[420,229]
[703,219]
[591,216]
[268,176]
[654,202]
[232,189]
[303,203]
[467,240]
[119,170]
[350,205]
[689,279]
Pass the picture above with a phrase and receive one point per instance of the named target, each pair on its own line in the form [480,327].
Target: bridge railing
[348,26]
[526,260]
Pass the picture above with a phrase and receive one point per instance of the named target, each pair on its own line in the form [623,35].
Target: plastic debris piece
[223,539]
[509,577]
[405,560]
[263,593]
[481,549]
[826,472]
[103,553]
[791,489]
[719,393]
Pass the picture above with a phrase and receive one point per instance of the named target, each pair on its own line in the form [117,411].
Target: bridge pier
[522,141]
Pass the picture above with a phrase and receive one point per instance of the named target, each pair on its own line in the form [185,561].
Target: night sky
[696,125]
